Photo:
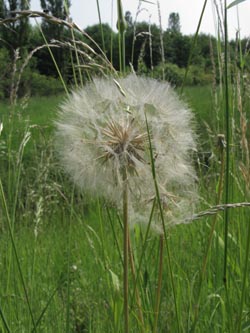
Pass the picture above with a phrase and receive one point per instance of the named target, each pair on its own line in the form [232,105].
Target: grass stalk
[245,274]
[16,253]
[53,59]
[227,125]
[210,238]
[115,236]
[137,295]
[68,263]
[4,320]
[121,25]
[125,250]
[159,285]
[158,199]
[17,179]
[193,45]
[100,24]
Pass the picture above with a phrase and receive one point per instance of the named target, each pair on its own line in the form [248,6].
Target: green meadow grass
[68,246]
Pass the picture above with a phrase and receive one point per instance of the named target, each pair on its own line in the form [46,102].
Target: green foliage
[68,244]
[16,34]
[5,69]
[175,75]
[110,41]
[42,85]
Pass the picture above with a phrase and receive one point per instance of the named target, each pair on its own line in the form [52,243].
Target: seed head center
[123,142]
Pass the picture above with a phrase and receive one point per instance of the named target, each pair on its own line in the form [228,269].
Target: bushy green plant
[43,85]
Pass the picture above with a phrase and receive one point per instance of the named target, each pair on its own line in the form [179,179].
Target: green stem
[227,120]
[204,265]
[244,279]
[125,250]
[100,23]
[159,285]
[163,225]
[15,253]
[137,295]
[53,59]
[121,25]
[193,45]
[144,246]
[4,321]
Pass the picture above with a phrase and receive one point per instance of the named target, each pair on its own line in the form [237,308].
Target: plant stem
[100,24]
[159,284]
[137,295]
[4,320]
[227,120]
[204,264]
[158,200]
[193,45]
[16,254]
[244,279]
[121,25]
[125,250]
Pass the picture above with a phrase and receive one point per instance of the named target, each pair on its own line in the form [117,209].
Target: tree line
[27,64]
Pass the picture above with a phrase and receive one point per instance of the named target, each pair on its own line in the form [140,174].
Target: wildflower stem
[125,249]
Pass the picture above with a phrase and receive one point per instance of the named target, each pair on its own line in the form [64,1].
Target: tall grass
[61,257]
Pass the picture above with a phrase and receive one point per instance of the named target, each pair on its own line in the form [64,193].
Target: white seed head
[102,130]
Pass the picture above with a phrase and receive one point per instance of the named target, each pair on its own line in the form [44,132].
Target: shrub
[45,85]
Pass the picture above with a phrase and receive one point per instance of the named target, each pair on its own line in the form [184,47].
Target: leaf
[234,3]
[115,281]
[246,326]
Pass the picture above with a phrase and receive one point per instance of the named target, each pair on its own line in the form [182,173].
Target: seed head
[101,130]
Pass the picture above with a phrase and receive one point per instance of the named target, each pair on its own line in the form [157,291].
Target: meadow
[62,259]
[67,247]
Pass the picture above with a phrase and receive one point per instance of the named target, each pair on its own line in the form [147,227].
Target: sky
[84,13]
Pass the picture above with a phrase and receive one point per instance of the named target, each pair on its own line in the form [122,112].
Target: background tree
[59,9]
[14,46]
[111,41]
[129,19]
[144,46]
[15,34]
[174,25]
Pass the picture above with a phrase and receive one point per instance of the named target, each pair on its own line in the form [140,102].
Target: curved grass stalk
[54,60]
